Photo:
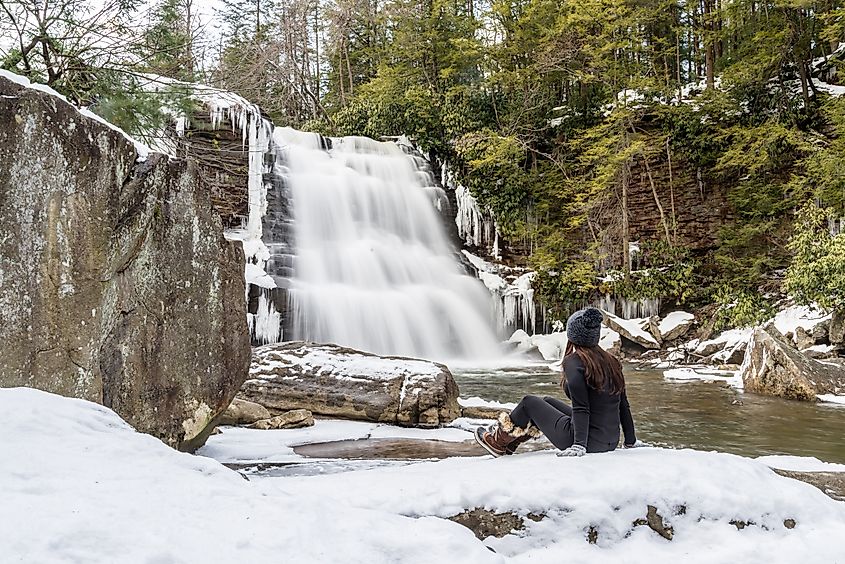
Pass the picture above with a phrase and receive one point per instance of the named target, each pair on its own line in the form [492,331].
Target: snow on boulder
[702,374]
[728,347]
[610,341]
[773,367]
[831,398]
[632,329]
[335,381]
[90,489]
[675,325]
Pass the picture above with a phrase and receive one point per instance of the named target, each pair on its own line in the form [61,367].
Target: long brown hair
[602,370]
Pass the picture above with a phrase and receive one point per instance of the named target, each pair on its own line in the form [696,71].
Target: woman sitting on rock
[593,380]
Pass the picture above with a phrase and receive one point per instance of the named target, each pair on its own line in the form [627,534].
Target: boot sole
[479,433]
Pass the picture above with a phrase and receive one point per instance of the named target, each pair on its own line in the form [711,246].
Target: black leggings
[550,415]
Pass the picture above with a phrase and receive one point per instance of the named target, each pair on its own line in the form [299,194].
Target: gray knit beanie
[583,328]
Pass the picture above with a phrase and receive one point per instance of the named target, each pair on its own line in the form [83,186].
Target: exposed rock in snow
[293,419]
[242,412]
[339,382]
[675,325]
[773,367]
[116,284]
[632,329]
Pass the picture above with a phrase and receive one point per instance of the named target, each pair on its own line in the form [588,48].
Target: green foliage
[740,307]
[488,155]
[670,275]
[166,47]
[817,272]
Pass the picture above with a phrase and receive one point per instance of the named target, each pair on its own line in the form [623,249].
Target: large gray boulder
[772,366]
[335,381]
[116,284]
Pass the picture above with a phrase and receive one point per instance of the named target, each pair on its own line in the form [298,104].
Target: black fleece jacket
[596,414]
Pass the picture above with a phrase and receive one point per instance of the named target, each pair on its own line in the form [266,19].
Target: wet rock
[480,412]
[294,419]
[485,523]
[836,333]
[242,412]
[116,284]
[803,339]
[655,522]
[831,483]
[773,367]
[821,352]
[335,381]
[821,333]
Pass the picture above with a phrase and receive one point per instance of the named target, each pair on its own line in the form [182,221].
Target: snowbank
[725,343]
[90,489]
[799,463]
[699,494]
[788,320]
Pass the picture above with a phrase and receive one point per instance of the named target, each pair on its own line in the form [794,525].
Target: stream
[693,414]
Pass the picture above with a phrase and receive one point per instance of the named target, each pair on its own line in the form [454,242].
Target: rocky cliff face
[116,284]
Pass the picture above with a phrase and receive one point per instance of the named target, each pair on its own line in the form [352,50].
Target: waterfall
[372,267]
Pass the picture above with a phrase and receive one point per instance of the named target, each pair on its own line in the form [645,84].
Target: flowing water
[373,268]
[700,415]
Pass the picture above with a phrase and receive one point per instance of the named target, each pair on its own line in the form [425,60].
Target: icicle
[267,323]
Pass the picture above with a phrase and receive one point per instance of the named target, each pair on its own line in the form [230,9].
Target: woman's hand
[574,450]
[637,444]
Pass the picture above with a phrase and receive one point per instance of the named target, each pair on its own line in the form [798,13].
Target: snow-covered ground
[81,486]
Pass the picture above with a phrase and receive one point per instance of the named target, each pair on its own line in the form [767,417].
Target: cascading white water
[373,269]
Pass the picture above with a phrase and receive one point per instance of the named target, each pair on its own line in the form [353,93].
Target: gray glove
[637,444]
[574,450]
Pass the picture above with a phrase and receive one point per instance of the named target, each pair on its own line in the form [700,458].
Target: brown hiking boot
[503,438]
